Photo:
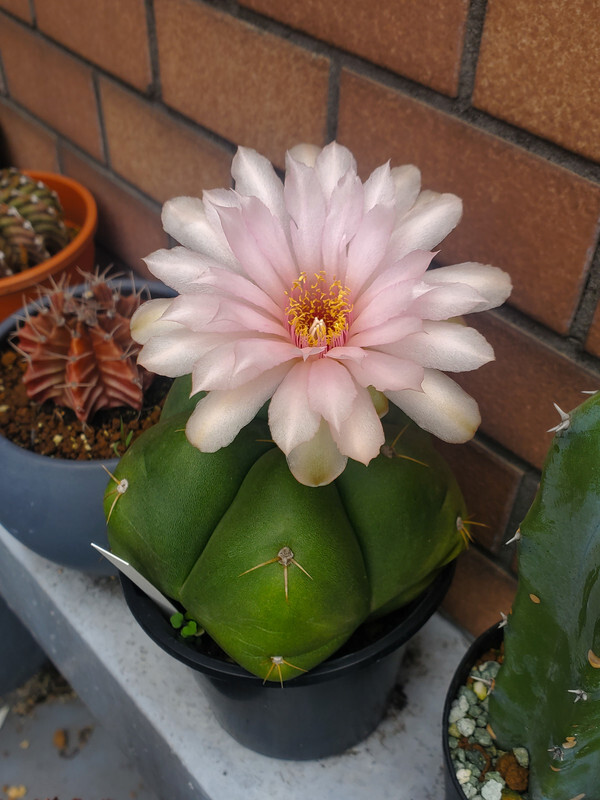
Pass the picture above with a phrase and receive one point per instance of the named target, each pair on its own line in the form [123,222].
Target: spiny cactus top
[79,351]
[547,694]
[32,226]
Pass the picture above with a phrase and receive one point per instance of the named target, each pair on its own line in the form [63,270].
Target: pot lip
[157,627]
[29,277]
[10,450]
[492,637]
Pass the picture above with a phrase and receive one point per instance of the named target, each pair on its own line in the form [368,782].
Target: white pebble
[492,790]
[466,726]
[463,776]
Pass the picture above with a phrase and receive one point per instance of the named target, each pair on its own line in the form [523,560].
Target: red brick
[112,34]
[20,8]
[516,392]
[157,153]
[479,593]
[421,39]
[249,86]
[534,219]
[489,484]
[128,225]
[53,85]
[26,143]
[592,344]
[539,68]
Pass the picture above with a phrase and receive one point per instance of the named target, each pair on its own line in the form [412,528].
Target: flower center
[318,314]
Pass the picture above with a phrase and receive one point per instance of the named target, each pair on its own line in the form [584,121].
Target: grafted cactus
[278,573]
[547,694]
[79,350]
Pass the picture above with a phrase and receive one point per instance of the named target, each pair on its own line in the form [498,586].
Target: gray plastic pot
[22,656]
[53,505]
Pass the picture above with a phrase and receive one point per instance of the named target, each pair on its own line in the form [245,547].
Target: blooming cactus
[315,293]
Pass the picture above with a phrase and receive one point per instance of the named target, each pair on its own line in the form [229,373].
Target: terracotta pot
[54,505]
[80,209]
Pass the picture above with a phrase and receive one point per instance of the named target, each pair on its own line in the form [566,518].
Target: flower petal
[341,223]
[318,461]
[390,331]
[380,187]
[231,364]
[255,176]
[361,435]
[185,219]
[441,407]
[407,180]
[172,353]
[305,153]
[331,390]
[444,301]
[448,346]
[409,268]
[147,320]
[333,162]
[220,415]
[429,221]
[491,283]
[384,371]
[180,268]
[306,205]
[291,419]
[271,238]
[367,248]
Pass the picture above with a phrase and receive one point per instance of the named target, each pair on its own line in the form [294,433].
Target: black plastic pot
[331,708]
[54,505]
[492,638]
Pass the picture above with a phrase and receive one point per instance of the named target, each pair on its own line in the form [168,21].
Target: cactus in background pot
[79,350]
[547,694]
[278,573]
[32,226]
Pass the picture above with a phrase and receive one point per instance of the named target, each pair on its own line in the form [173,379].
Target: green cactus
[278,573]
[547,694]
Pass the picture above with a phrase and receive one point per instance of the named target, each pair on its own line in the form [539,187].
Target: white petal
[361,435]
[448,346]
[148,321]
[331,390]
[180,268]
[172,353]
[306,205]
[318,461]
[220,415]
[255,176]
[391,331]
[446,300]
[343,218]
[305,153]
[291,419]
[384,371]
[407,180]
[380,187]
[234,363]
[409,268]
[491,283]
[271,238]
[441,407]
[368,247]
[333,162]
[429,221]
[185,219]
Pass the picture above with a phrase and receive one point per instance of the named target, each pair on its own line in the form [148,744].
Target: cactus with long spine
[32,226]
[547,694]
[79,352]
[280,574]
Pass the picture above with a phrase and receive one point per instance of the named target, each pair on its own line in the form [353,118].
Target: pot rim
[10,450]
[32,275]
[411,618]
[492,637]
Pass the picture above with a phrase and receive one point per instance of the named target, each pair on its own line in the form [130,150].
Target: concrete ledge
[156,711]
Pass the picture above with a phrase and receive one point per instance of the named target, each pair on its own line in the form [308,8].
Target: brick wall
[496,101]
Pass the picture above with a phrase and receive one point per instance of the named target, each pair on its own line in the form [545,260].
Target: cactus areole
[278,573]
[547,694]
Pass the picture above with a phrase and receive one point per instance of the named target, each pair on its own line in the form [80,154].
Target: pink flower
[315,293]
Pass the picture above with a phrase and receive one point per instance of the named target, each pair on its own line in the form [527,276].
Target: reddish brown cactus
[79,351]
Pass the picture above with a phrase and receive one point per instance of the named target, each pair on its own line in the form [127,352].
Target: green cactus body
[547,695]
[280,574]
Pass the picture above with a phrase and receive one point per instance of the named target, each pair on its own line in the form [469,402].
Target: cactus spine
[79,351]
[547,694]
[278,573]
[32,226]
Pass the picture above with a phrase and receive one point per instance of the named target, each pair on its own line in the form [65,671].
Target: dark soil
[53,431]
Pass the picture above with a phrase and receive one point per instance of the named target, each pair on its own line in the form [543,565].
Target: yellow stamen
[317,314]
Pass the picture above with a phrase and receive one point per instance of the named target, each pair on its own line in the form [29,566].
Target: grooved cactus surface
[547,695]
[280,574]
[79,350]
